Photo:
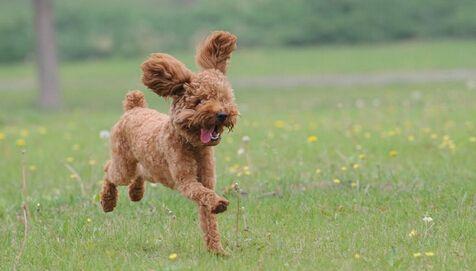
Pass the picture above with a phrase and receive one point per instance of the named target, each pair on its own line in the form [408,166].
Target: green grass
[408,56]
[309,221]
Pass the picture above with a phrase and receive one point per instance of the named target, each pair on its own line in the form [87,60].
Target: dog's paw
[136,193]
[108,206]
[108,197]
[220,206]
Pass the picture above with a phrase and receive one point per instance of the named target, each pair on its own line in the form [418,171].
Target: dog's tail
[134,99]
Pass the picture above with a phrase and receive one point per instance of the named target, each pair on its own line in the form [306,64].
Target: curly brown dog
[176,150]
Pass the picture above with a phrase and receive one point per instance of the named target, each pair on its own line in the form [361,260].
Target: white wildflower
[104,134]
[427,219]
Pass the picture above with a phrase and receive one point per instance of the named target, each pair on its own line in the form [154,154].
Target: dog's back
[138,128]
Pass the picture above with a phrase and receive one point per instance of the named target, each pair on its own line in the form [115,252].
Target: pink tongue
[206,135]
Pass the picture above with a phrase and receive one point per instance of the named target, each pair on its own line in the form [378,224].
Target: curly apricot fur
[215,51]
[148,145]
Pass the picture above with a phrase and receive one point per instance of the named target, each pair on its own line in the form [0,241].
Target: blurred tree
[50,96]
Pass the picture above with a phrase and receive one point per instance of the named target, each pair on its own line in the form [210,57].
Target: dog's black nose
[221,117]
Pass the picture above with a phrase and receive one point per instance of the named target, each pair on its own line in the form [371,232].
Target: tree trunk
[50,96]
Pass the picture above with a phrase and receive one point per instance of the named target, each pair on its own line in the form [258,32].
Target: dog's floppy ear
[165,75]
[215,51]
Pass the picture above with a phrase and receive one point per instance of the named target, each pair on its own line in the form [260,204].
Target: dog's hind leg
[118,171]
[109,192]
[108,196]
[137,188]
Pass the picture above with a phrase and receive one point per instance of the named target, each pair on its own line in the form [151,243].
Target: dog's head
[203,103]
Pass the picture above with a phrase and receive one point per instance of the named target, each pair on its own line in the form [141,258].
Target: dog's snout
[221,117]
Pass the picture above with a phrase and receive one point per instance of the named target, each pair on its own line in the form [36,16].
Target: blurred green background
[108,28]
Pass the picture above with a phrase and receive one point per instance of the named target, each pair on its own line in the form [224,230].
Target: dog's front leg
[184,170]
[203,196]
[208,220]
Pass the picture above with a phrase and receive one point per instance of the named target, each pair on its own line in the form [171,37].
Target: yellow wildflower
[433,136]
[336,181]
[355,166]
[246,170]
[2,136]
[24,133]
[411,138]
[357,128]
[92,162]
[89,220]
[447,143]
[70,159]
[471,139]
[343,168]
[311,138]
[417,254]
[318,171]
[32,168]
[279,124]
[353,184]
[234,168]
[73,176]
[429,254]
[357,256]
[362,156]
[412,233]
[173,256]
[20,142]
[393,153]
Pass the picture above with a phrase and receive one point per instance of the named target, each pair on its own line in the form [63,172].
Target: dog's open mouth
[207,135]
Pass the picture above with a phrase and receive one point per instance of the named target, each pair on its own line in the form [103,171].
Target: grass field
[409,56]
[360,178]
